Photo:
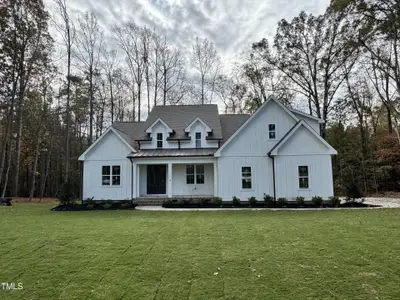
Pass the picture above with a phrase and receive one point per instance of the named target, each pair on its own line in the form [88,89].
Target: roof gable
[252,117]
[298,112]
[197,119]
[159,120]
[300,124]
[123,137]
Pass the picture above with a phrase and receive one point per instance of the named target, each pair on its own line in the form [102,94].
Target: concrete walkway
[383,202]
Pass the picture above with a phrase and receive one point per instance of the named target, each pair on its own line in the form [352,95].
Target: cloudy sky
[232,25]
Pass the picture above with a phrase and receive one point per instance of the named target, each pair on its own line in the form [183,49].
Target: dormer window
[198,139]
[272,131]
[159,140]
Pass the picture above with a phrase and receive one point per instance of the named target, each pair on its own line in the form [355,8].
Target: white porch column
[169,185]
[134,167]
[137,181]
[215,166]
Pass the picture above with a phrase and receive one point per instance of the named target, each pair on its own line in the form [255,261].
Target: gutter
[273,173]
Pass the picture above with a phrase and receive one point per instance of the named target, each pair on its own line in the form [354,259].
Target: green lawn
[199,255]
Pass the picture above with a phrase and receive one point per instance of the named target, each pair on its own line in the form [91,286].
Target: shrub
[335,201]
[167,203]
[268,199]
[217,201]
[282,201]
[203,201]
[128,204]
[317,200]
[252,201]
[300,201]
[67,193]
[88,201]
[353,192]
[116,204]
[235,201]
[107,205]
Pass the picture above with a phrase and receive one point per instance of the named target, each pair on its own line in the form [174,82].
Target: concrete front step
[158,201]
[150,201]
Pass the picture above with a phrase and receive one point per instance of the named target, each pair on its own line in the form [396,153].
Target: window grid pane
[116,170]
[271,127]
[106,170]
[116,180]
[189,179]
[105,180]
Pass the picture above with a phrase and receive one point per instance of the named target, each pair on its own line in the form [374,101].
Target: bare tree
[171,68]
[207,63]
[67,31]
[110,65]
[89,44]
[130,38]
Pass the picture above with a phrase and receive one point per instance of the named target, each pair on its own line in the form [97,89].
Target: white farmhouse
[192,150]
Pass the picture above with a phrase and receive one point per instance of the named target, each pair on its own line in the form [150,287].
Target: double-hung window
[303,177]
[272,131]
[198,139]
[111,175]
[194,174]
[246,178]
[159,140]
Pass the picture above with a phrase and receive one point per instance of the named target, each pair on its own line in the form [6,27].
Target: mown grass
[199,255]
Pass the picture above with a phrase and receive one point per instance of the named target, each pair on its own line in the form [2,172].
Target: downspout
[131,159]
[273,175]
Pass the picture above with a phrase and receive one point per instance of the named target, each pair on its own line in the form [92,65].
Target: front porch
[157,179]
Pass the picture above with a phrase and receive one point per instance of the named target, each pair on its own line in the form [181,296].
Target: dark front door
[156,179]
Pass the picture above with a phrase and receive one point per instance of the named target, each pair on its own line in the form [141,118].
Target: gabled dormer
[157,134]
[200,135]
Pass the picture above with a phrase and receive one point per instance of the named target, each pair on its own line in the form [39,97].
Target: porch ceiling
[174,153]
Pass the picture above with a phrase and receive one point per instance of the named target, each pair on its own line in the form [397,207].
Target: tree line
[60,92]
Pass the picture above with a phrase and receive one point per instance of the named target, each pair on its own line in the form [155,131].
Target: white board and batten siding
[181,188]
[249,149]
[303,149]
[111,151]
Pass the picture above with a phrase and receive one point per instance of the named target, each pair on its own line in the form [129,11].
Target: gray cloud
[232,25]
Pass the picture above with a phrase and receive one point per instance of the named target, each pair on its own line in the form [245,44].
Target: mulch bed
[262,205]
[80,207]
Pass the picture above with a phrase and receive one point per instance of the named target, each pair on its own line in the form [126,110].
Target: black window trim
[160,140]
[243,177]
[195,174]
[271,131]
[197,139]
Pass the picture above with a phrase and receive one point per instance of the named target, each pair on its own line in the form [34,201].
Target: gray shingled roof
[230,124]
[178,117]
[130,131]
